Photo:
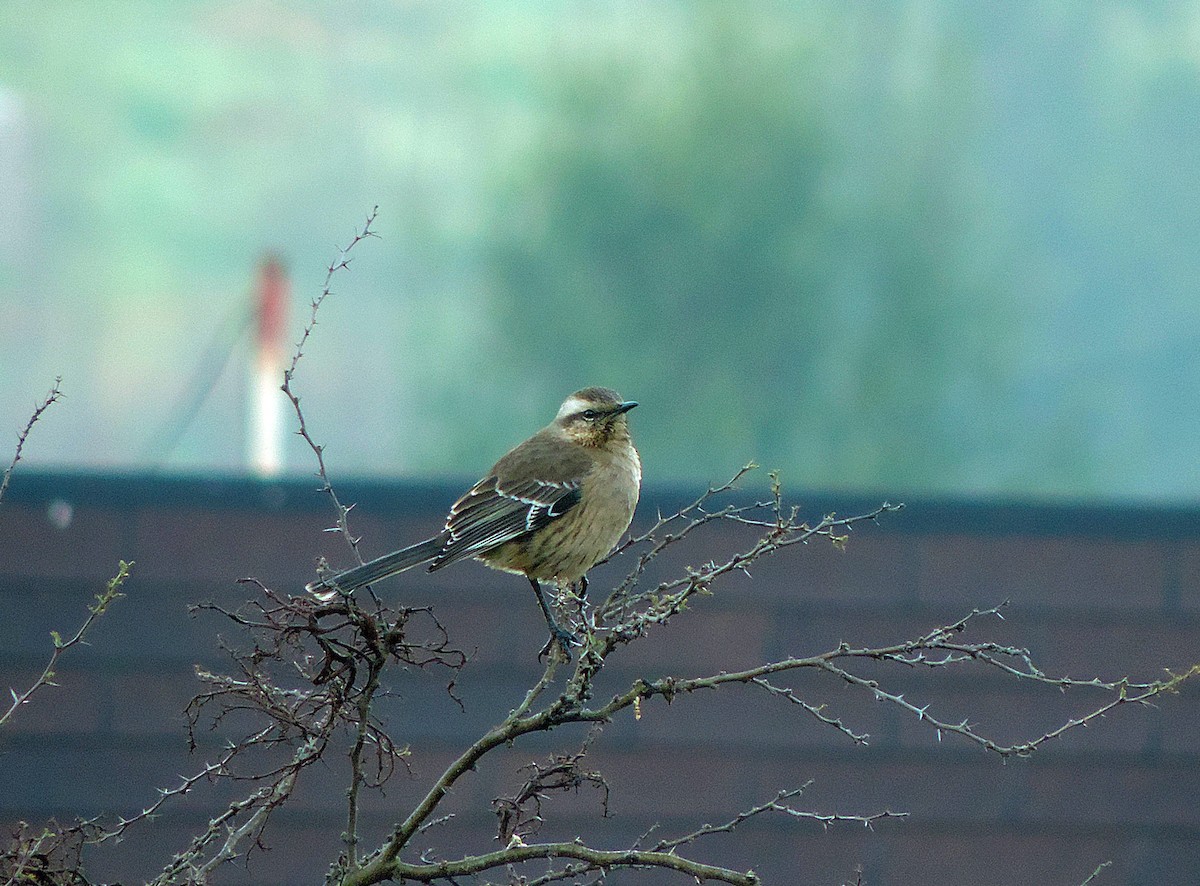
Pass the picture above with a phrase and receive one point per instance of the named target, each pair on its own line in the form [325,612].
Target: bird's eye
[590,415]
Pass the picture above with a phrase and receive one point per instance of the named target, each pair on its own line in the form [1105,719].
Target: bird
[549,509]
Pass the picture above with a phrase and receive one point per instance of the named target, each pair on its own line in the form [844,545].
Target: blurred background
[916,247]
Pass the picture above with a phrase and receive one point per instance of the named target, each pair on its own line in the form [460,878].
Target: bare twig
[341,262]
[1122,691]
[111,593]
[817,711]
[186,784]
[777,804]
[53,397]
[567,872]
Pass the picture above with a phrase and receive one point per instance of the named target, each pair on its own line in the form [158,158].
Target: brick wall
[1093,591]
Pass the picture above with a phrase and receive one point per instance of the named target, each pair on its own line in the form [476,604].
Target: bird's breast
[567,548]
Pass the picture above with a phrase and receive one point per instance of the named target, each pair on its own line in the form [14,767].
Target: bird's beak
[625,407]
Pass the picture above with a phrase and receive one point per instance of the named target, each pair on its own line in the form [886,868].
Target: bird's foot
[564,639]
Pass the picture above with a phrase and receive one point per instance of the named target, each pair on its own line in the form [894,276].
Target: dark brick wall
[1094,591]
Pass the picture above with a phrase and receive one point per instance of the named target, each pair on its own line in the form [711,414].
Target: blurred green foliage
[935,247]
[702,219]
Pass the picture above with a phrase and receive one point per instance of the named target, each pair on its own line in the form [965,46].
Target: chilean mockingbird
[550,509]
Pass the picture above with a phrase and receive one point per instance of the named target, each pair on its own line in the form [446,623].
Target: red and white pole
[264,450]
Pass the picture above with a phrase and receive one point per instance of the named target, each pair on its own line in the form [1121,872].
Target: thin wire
[208,371]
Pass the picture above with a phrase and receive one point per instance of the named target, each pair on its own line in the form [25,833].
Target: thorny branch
[777,804]
[242,819]
[630,613]
[53,397]
[54,853]
[341,262]
[110,594]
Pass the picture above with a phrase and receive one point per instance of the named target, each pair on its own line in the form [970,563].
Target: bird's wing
[494,511]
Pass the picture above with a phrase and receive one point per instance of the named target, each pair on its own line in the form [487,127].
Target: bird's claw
[564,640]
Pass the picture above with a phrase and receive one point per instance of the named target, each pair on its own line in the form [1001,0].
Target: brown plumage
[550,509]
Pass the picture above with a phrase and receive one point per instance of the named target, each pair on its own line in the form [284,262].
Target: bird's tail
[379,568]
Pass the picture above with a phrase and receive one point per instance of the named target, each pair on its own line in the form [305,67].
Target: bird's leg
[585,611]
[558,634]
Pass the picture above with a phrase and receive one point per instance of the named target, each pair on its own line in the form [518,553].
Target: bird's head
[594,416]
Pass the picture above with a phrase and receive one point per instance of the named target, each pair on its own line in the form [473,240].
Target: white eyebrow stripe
[572,405]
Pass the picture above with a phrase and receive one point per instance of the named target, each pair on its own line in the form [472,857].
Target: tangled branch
[313,670]
[520,815]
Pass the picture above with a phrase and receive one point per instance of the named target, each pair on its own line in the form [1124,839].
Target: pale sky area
[914,248]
